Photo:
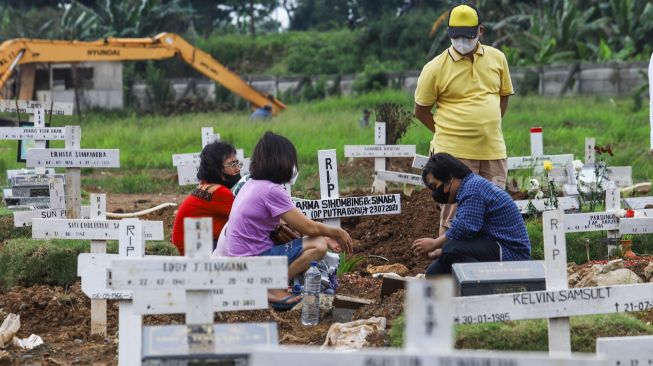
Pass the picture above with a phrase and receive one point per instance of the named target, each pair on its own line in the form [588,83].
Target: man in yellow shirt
[469,85]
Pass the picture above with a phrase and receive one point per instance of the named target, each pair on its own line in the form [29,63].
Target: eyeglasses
[234,165]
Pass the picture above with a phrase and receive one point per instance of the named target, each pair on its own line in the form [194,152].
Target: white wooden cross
[557,303]
[27,190]
[626,351]
[379,151]
[98,230]
[197,274]
[37,111]
[188,164]
[566,203]
[57,206]
[331,207]
[429,340]
[535,160]
[537,157]
[621,175]
[73,159]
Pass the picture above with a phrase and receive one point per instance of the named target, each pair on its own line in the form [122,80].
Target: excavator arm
[163,46]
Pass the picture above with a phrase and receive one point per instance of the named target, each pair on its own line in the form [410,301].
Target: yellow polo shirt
[466,96]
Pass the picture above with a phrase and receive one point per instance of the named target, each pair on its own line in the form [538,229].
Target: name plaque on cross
[171,341]
[381,357]
[527,162]
[399,177]
[595,221]
[32,133]
[350,206]
[30,107]
[89,229]
[186,159]
[553,304]
[379,151]
[82,158]
[199,273]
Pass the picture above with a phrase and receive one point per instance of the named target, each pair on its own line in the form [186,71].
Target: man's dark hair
[273,159]
[212,160]
[443,167]
[268,107]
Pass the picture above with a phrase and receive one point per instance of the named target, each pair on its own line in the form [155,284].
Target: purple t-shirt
[254,215]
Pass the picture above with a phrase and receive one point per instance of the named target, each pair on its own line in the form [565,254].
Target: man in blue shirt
[488,226]
[262,113]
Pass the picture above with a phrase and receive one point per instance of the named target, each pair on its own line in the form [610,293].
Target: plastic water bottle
[311,305]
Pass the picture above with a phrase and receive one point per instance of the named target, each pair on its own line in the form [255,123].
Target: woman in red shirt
[219,171]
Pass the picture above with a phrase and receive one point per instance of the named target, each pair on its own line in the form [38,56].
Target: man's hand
[423,246]
[435,254]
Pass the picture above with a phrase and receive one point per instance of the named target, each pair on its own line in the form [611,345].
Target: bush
[157,87]
[373,78]
[531,335]
[28,262]
[397,121]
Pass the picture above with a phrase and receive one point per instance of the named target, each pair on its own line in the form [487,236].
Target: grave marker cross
[379,151]
[429,340]
[198,274]
[330,208]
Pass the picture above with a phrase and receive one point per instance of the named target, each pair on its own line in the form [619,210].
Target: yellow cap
[463,16]
[463,21]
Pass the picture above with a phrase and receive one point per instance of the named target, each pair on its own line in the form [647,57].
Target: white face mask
[464,45]
[295,175]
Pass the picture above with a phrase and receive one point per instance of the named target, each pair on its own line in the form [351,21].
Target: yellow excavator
[163,46]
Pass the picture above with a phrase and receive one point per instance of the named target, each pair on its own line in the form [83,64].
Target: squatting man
[487,227]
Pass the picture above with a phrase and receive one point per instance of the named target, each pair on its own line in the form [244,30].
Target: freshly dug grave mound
[62,318]
[391,236]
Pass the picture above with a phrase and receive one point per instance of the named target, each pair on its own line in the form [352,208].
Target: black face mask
[439,195]
[230,180]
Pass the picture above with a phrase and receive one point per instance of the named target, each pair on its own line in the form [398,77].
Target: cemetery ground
[38,278]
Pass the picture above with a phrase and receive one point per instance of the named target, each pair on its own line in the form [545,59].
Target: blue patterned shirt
[485,210]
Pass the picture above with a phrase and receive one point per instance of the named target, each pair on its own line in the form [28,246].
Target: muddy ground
[61,316]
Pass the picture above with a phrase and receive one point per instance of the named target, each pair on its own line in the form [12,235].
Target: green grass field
[148,142]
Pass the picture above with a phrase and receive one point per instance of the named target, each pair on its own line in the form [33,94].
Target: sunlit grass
[148,142]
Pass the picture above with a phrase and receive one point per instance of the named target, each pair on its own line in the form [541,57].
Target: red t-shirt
[200,203]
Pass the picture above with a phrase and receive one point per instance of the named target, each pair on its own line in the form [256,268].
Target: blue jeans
[292,250]
[465,251]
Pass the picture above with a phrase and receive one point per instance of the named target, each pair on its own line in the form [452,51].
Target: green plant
[396,118]
[591,195]
[348,264]
[157,87]
[373,77]
[552,194]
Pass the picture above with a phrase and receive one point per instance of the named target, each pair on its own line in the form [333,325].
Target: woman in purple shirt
[260,206]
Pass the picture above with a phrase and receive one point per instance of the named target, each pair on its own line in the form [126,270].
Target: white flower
[578,165]
[539,195]
[535,185]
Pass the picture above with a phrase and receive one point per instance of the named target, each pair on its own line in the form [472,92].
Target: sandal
[284,304]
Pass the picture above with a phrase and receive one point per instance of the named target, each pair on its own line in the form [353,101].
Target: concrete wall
[104,90]
[616,79]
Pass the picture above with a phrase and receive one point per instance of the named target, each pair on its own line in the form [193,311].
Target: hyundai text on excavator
[163,46]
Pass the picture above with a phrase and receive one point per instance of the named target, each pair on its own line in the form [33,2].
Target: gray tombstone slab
[638,203]
[487,278]
[222,343]
[626,351]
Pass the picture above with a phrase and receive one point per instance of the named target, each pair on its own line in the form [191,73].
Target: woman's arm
[296,219]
